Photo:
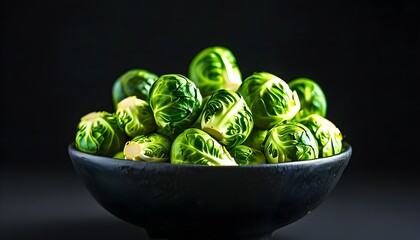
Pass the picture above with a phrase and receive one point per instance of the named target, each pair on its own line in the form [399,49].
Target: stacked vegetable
[211,117]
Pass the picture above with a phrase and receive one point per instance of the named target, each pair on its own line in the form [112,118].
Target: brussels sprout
[136,116]
[99,133]
[256,138]
[194,146]
[154,147]
[119,155]
[175,101]
[215,68]
[245,155]
[289,141]
[270,99]
[227,118]
[311,96]
[197,123]
[134,82]
[327,135]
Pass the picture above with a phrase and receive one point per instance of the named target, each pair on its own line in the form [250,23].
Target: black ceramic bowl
[174,201]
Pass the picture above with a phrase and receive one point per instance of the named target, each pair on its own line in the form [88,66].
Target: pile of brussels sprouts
[211,117]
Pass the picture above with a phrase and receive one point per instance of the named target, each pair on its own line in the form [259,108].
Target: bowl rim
[344,154]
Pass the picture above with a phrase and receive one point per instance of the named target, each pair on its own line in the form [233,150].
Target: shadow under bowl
[174,201]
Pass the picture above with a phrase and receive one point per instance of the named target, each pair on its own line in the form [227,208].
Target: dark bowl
[173,201]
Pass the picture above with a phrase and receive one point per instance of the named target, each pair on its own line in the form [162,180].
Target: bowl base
[262,237]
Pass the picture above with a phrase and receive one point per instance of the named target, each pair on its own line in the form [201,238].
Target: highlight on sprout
[99,133]
[214,68]
[211,117]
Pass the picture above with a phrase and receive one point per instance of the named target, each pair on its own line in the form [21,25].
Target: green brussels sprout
[289,141]
[215,68]
[175,101]
[245,155]
[154,147]
[256,138]
[99,133]
[197,123]
[227,118]
[134,82]
[270,99]
[311,96]
[194,146]
[136,116]
[119,155]
[327,135]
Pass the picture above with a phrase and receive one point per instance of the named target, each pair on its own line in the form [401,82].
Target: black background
[59,60]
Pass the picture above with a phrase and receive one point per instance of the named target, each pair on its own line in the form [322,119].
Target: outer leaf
[290,141]
[194,146]
[256,138]
[134,82]
[99,133]
[119,155]
[197,123]
[136,116]
[215,68]
[227,117]
[154,147]
[175,101]
[245,155]
[269,98]
[311,96]
[327,135]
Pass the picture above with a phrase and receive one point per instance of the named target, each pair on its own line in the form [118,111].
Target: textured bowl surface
[191,201]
